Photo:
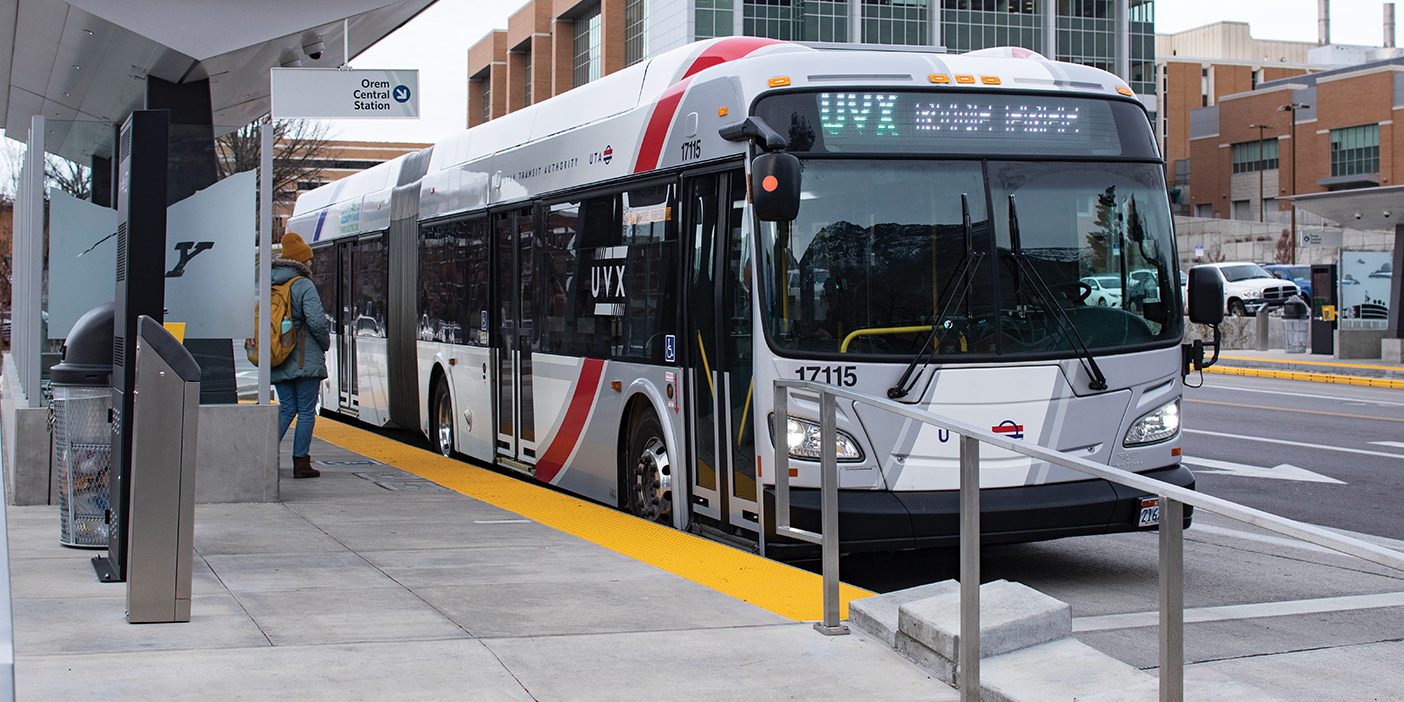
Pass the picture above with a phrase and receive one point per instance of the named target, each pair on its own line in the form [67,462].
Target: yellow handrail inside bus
[879,331]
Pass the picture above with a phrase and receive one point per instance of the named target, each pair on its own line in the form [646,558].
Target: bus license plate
[1150,512]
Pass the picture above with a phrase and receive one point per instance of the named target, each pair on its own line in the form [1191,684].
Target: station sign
[335,93]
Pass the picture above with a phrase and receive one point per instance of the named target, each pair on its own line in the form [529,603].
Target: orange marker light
[1174,452]
[939,78]
[989,80]
[722,111]
[779,81]
[1125,91]
[965,80]
[769,183]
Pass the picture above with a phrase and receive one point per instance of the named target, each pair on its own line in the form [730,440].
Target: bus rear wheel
[441,420]
[648,477]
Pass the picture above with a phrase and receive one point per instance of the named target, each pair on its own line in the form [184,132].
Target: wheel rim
[443,425]
[653,481]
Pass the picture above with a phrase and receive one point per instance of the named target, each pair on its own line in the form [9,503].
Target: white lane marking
[501,521]
[1244,611]
[1282,541]
[1282,471]
[1395,444]
[1285,442]
[1305,394]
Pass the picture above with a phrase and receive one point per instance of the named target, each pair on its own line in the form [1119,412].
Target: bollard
[1261,320]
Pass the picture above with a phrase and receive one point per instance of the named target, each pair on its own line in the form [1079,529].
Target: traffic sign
[335,93]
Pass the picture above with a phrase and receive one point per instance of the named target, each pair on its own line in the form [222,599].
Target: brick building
[1198,68]
[1344,138]
[551,46]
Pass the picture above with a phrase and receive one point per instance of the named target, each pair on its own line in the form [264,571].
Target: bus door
[348,393]
[721,410]
[515,266]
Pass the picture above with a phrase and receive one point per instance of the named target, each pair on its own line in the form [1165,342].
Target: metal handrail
[1171,546]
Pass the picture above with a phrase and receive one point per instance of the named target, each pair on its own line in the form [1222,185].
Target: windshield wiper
[1065,325]
[965,274]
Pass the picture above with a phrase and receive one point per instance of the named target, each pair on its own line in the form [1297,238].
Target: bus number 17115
[847,376]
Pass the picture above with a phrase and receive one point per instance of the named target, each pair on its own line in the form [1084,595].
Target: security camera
[1386,214]
[1357,215]
[314,48]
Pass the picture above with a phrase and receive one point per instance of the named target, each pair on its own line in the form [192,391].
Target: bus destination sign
[334,93]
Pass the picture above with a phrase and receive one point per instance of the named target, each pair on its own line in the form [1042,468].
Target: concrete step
[877,615]
[1012,616]
[1027,652]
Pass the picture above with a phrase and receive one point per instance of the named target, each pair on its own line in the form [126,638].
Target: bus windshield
[871,263]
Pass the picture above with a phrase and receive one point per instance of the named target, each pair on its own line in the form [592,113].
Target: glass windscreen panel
[874,257]
[956,123]
[1097,240]
[873,260]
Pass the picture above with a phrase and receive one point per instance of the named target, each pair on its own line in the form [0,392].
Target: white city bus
[586,291]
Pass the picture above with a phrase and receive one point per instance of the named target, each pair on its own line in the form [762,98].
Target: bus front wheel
[441,420]
[648,477]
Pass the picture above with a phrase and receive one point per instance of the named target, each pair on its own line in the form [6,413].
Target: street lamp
[1262,205]
[1292,107]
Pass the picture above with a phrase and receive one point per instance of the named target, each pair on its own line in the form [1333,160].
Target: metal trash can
[81,415]
[1296,325]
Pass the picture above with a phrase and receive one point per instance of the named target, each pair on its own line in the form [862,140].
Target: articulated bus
[588,292]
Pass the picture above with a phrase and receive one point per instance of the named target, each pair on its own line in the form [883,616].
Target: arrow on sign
[1280,472]
[402,93]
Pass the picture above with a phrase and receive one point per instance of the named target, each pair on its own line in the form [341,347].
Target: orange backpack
[282,330]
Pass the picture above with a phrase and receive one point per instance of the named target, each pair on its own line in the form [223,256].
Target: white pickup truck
[1248,288]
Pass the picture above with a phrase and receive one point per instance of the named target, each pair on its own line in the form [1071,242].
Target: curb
[1363,381]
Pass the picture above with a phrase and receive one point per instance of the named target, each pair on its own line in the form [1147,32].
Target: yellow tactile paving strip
[770,585]
[1364,381]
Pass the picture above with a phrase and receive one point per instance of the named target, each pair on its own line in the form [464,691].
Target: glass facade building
[635,31]
[588,62]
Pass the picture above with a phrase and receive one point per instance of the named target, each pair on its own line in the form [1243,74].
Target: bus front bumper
[879,520]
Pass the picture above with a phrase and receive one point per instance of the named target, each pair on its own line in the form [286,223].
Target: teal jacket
[310,359]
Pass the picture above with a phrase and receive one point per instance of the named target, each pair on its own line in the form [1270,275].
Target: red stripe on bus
[662,118]
[727,50]
[658,124]
[551,462]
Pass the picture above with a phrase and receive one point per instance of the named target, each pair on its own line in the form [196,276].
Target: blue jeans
[298,397]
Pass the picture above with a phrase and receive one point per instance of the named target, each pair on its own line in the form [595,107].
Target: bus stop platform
[371,582]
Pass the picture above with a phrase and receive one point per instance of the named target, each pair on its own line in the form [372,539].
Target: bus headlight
[803,439]
[1157,425]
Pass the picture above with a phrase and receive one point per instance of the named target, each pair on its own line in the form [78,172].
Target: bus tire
[648,471]
[441,419]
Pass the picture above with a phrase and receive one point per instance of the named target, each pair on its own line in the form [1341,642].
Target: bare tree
[299,148]
[68,176]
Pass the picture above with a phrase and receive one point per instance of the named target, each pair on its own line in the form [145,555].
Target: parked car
[1248,288]
[1106,290]
[1301,275]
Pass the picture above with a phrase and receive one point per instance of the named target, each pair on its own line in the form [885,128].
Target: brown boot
[302,467]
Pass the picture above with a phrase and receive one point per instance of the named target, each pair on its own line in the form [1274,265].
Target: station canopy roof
[1371,209]
[83,64]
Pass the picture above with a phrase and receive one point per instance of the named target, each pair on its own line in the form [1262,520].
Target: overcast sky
[436,42]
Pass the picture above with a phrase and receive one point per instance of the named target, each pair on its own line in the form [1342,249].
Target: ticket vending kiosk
[1324,307]
[161,505]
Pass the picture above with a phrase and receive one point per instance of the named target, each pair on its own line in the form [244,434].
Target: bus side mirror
[775,187]
[1206,296]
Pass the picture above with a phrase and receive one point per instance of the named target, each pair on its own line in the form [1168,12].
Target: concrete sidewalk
[373,583]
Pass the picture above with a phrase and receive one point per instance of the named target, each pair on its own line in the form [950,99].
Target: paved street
[1354,435]
[1316,452]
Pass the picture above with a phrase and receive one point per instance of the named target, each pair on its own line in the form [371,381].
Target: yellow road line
[1298,411]
[771,585]
[1304,362]
[1310,377]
